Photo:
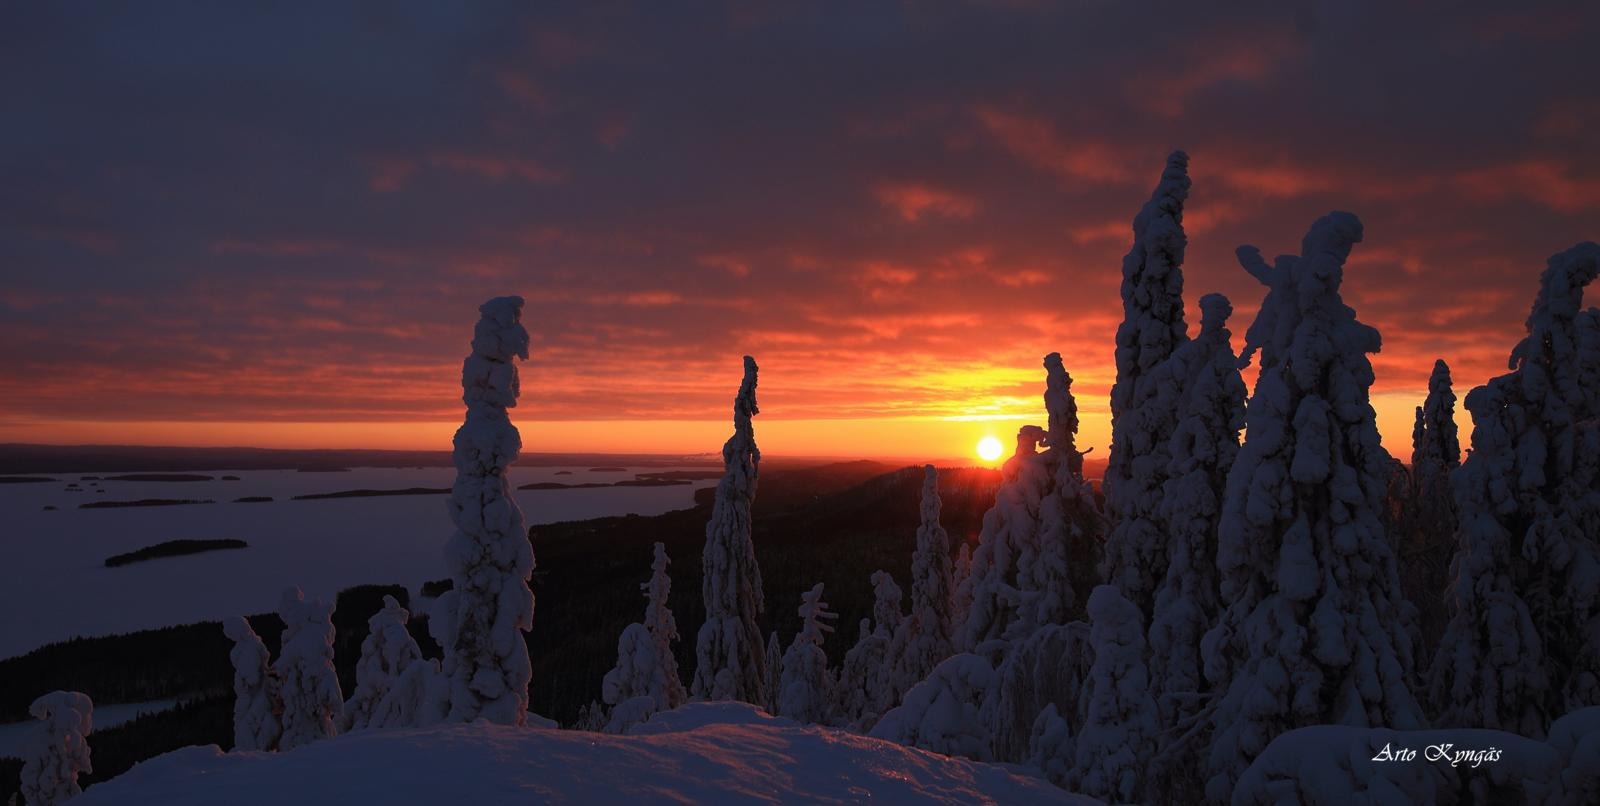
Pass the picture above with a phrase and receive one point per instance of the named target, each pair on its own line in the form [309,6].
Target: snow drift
[702,752]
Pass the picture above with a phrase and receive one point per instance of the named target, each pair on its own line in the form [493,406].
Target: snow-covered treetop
[1434,439]
[740,456]
[1552,343]
[886,612]
[1062,411]
[1152,283]
[657,615]
[1214,312]
[497,338]
[813,615]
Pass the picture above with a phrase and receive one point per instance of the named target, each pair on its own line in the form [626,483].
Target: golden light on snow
[989,449]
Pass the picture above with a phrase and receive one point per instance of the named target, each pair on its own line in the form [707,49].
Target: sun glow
[989,449]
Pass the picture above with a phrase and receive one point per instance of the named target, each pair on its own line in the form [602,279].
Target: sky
[248,224]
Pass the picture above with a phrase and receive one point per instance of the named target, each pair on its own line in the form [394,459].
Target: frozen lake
[53,584]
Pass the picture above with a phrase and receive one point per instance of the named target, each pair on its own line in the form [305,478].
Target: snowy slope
[700,753]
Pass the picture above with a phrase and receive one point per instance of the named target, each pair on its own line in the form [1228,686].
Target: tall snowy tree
[490,559]
[1314,628]
[1118,737]
[1523,642]
[1205,439]
[806,680]
[1143,409]
[312,702]
[257,701]
[730,664]
[1428,522]
[386,653]
[57,751]
[867,686]
[1040,539]
[928,633]
[645,664]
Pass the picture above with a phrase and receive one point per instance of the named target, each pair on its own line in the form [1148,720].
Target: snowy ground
[48,559]
[14,735]
[701,753]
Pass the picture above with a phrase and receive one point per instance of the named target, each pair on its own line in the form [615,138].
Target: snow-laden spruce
[945,713]
[312,702]
[1427,520]
[1062,560]
[730,664]
[1314,628]
[646,668]
[807,683]
[927,635]
[1114,747]
[1523,641]
[1038,543]
[1205,439]
[867,686]
[57,751]
[772,687]
[1334,765]
[386,653]
[1038,703]
[257,701]
[490,559]
[1142,405]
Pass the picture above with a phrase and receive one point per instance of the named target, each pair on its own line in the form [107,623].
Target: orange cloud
[913,200]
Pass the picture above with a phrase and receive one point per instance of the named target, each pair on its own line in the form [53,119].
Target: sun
[989,449]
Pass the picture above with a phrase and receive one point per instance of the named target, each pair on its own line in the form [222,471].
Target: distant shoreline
[20,459]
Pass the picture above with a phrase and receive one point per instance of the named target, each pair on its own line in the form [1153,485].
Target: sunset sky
[241,224]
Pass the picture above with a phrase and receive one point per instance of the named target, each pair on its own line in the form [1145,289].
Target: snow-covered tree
[1313,628]
[257,702]
[1142,407]
[490,559]
[57,751]
[1047,671]
[928,633]
[1428,520]
[1523,641]
[867,686]
[1039,540]
[646,667]
[1062,559]
[1204,441]
[386,653]
[312,702]
[772,686]
[858,691]
[961,597]
[1118,737]
[730,664]
[409,700]
[806,681]
[944,713]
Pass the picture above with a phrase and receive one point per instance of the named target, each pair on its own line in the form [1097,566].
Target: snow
[700,753]
[645,679]
[1314,629]
[1522,642]
[1143,404]
[1114,746]
[730,661]
[929,630]
[387,653]
[489,556]
[58,750]
[312,702]
[1329,764]
[806,692]
[394,539]
[1204,442]
[14,736]
[257,698]
[945,712]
